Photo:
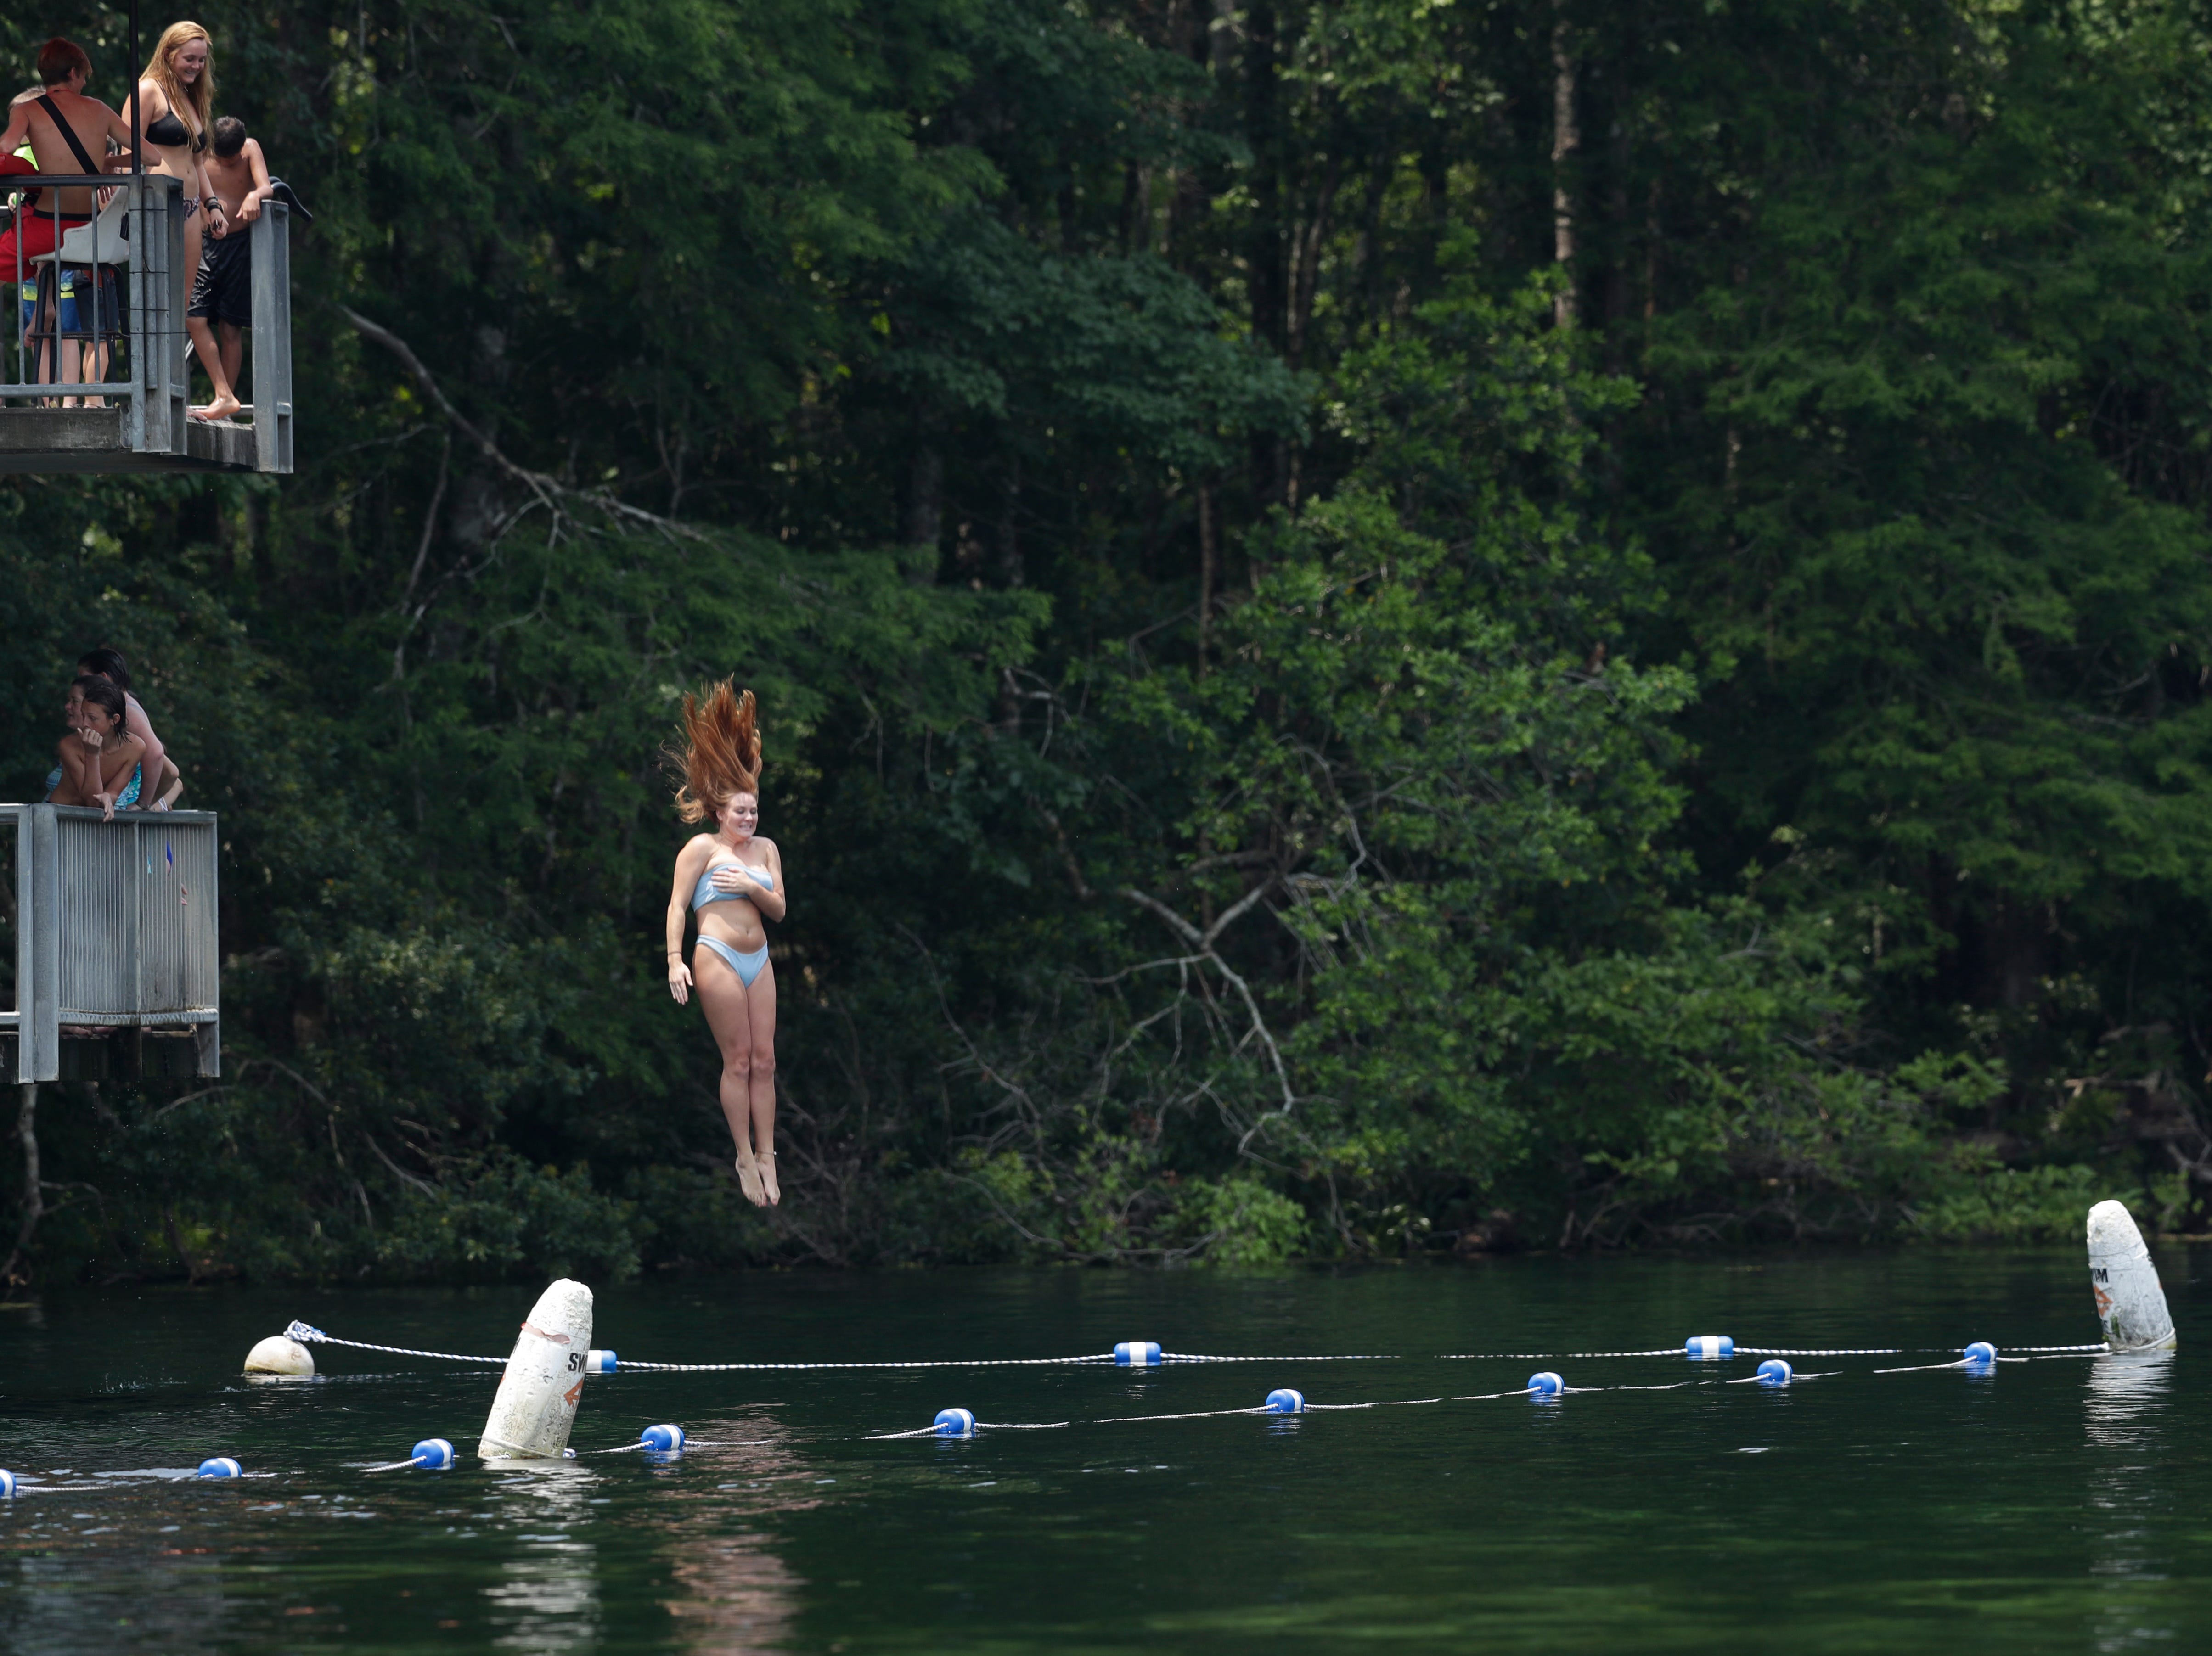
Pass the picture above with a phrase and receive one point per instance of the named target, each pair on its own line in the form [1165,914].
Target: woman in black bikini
[176,96]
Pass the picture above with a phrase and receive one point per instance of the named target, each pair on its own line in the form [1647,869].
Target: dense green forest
[1384,626]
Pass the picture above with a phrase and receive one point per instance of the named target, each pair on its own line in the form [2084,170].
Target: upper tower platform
[144,373]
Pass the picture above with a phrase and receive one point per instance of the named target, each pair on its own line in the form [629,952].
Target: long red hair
[721,751]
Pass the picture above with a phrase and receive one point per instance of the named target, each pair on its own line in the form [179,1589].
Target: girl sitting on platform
[734,879]
[101,761]
[109,664]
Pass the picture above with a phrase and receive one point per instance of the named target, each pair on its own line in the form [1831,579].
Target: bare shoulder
[252,151]
[697,849]
[770,846]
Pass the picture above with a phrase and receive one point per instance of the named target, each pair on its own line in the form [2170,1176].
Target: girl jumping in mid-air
[734,880]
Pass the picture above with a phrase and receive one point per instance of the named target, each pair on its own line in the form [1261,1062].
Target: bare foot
[768,1179]
[749,1180]
[222,408]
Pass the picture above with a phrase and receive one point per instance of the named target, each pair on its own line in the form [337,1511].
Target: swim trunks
[223,289]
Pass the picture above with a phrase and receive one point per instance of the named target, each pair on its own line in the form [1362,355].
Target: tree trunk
[1208,564]
[34,1207]
[1009,535]
[1567,138]
[925,511]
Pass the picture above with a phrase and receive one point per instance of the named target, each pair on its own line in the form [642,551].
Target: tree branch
[549,489]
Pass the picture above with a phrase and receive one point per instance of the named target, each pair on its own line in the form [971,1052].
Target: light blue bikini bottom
[747,967]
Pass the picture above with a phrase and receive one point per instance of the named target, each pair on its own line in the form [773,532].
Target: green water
[2060,1506]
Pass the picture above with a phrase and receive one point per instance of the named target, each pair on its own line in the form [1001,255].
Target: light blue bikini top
[704,892]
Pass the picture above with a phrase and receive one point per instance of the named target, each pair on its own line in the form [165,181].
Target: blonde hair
[191,107]
[721,752]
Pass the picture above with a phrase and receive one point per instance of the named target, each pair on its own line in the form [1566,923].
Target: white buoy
[2129,1300]
[279,1355]
[535,1408]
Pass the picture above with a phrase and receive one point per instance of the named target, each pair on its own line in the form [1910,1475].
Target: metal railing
[115,929]
[137,362]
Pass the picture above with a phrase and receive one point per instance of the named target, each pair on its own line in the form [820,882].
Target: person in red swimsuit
[64,68]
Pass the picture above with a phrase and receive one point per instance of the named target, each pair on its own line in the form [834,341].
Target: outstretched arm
[679,893]
[250,208]
[164,795]
[135,722]
[208,204]
[118,128]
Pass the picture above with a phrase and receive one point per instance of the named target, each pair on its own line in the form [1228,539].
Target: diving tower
[117,968]
[146,379]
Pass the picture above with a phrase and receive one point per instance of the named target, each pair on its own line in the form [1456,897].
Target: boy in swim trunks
[223,292]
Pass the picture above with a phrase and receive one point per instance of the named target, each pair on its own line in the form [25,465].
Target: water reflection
[738,1596]
[2128,1428]
[548,1596]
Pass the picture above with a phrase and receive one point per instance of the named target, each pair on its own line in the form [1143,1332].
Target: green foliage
[505,1213]
[1346,671]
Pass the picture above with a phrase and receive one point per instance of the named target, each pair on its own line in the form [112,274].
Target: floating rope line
[654,1448]
[1552,1357]
[307,1334]
[1367,1356]
[961,1362]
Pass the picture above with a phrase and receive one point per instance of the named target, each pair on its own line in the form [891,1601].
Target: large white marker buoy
[279,1355]
[2129,1298]
[535,1406]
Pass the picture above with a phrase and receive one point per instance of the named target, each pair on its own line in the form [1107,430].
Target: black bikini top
[170,132]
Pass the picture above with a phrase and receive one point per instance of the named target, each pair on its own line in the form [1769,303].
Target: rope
[1924,1367]
[963,1362]
[1555,1356]
[689,1443]
[307,1334]
[310,1336]
[1372,1356]
[1199,1414]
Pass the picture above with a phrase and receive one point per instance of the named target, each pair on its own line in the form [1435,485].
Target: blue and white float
[433,1452]
[220,1466]
[665,1439]
[1546,1386]
[1774,1372]
[2129,1300]
[1284,1401]
[1137,1354]
[1708,1348]
[954,1423]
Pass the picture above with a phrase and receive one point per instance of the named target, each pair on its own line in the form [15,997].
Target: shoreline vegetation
[1382,630]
